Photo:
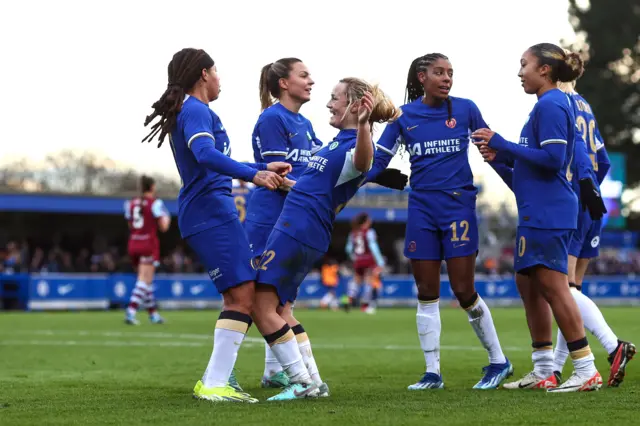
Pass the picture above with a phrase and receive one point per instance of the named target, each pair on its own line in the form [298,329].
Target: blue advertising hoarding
[95,291]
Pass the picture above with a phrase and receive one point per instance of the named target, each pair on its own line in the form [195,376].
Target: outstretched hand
[484,135]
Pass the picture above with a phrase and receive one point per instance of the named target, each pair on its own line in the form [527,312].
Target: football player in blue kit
[281,134]
[434,129]
[585,243]
[207,216]
[548,211]
[302,233]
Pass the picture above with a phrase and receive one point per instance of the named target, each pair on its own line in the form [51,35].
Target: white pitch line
[248,342]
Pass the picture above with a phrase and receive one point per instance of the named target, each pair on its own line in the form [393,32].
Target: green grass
[89,368]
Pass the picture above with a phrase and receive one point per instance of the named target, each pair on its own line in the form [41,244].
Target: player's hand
[365,108]
[279,167]
[591,199]
[287,185]
[487,153]
[267,179]
[482,136]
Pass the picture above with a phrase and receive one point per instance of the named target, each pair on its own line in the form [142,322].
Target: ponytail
[265,97]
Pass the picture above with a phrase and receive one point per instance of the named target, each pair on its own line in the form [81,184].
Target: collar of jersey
[548,92]
[346,134]
[285,110]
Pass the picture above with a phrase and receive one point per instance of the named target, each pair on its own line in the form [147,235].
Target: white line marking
[248,341]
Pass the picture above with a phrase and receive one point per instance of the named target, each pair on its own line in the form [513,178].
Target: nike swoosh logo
[306,391]
[292,135]
[411,128]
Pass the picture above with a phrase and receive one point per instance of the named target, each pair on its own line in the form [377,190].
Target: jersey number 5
[138,218]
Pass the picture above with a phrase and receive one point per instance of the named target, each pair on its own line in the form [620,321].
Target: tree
[609,38]
[79,173]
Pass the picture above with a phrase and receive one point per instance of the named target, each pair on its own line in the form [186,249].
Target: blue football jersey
[205,198]
[585,161]
[545,198]
[280,135]
[326,186]
[438,148]
[588,128]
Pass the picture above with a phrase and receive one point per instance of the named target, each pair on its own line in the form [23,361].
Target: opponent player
[363,250]
[145,216]
[207,215]
[303,231]
[442,224]
[281,134]
[548,211]
[585,245]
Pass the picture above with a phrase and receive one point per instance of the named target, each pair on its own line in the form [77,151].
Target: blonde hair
[383,108]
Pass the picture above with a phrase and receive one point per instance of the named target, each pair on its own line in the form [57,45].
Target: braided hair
[414,87]
[184,71]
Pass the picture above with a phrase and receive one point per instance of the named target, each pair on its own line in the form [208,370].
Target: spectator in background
[330,277]
[13,259]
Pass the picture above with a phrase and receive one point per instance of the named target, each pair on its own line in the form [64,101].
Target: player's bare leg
[554,287]
[427,276]
[278,334]
[620,352]
[462,276]
[539,320]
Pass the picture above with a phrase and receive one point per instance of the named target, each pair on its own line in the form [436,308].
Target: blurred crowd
[22,257]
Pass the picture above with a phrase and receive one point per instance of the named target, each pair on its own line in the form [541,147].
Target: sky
[82,75]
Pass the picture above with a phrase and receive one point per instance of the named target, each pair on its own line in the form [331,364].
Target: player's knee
[466,298]
[240,298]
[428,290]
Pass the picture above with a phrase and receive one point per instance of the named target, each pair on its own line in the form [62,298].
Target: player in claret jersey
[207,215]
[442,225]
[303,231]
[281,134]
[363,250]
[145,215]
[585,242]
[548,212]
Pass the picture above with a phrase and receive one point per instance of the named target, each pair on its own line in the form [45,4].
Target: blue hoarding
[95,291]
